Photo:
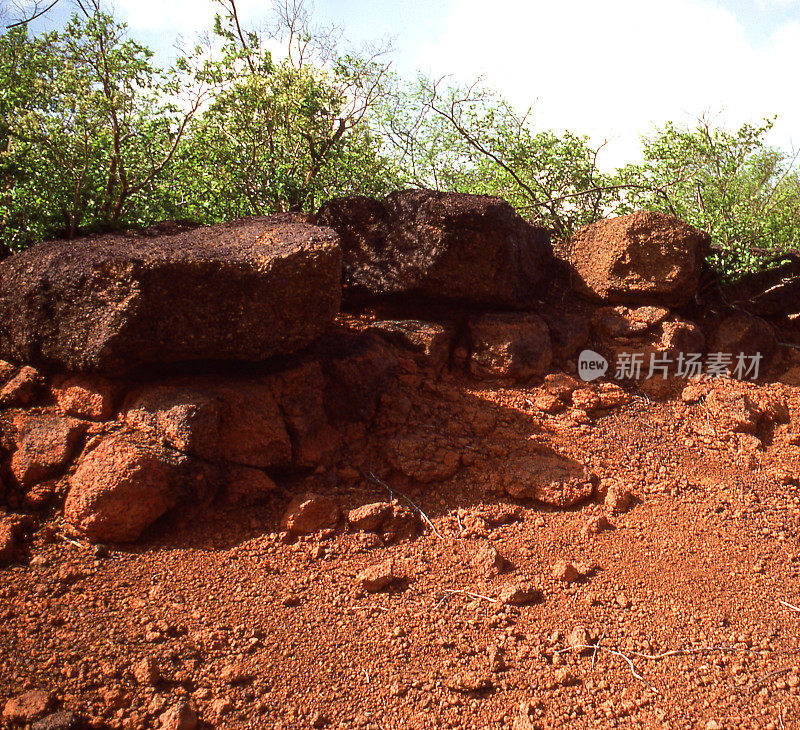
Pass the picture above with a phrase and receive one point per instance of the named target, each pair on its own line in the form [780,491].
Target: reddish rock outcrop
[45,447]
[442,245]
[642,258]
[85,396]
[235,420]
[742,333]
[127,482]
[22,389]
[300,395]
[245,290]
[429,341]
[509,345]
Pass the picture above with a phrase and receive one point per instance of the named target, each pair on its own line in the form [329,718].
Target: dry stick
[789,605]
[597,647]
[448,593]
[685,652]
[392,492]
[777,673]
[70,541]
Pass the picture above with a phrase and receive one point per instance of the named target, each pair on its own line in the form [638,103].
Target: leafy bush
[93,136]
[745,194]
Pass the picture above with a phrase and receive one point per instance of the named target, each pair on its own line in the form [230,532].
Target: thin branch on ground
[70,540]
[371,477]
[596,647]
[448,593]
[777,673]
[789,605]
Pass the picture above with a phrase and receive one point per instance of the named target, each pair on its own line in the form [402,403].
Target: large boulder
[642,258]
[449,246]
[127,482]
[245,290]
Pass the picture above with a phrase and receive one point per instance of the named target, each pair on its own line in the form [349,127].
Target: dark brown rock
[310,512]
[358,370]
[245,290]
[441,245]
[742,333]
[59,721]
[642,258]
[46,446]
[509,345]
[430,342]
[128,482]
[247,487]
[569,332]
[625,322]
[768,293]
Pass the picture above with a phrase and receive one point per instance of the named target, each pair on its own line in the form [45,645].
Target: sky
[611,69]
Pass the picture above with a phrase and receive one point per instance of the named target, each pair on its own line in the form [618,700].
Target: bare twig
[448,593]
[789,605]
[70,541]
[596,647]
[777,673]
[33,17]
[371,477]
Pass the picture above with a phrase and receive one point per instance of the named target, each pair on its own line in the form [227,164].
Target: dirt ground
[688,603]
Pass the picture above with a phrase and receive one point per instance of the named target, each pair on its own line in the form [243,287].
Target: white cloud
[612,69]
